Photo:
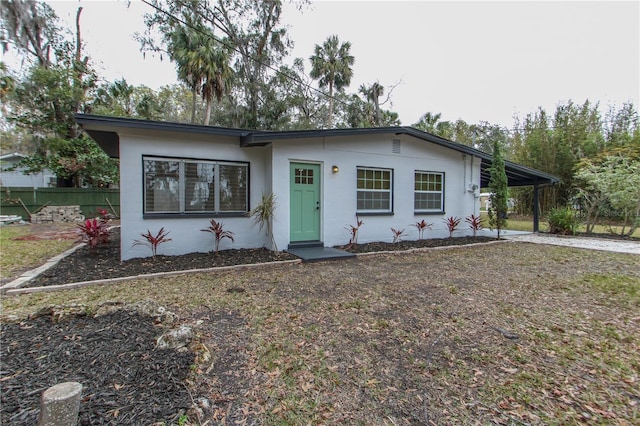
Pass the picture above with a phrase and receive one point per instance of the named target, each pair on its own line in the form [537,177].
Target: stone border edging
[32,273]
[80,284]
[15,289]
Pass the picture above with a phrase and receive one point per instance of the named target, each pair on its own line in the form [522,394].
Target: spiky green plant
[263,215]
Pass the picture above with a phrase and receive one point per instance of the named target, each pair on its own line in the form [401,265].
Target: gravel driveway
[632,247]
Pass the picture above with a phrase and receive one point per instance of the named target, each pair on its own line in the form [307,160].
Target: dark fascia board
[90,120]
[103,129]
[518,175]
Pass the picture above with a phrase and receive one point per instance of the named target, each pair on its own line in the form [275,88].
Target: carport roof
[104,130]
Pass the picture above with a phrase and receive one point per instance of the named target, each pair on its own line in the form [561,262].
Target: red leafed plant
[452,224]
[94,232]
[475,224]
[217,229]
[153,241]
[354,232]
[422,226]
[397,235]
[104,215]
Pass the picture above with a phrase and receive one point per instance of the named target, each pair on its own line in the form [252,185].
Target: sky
[474,60]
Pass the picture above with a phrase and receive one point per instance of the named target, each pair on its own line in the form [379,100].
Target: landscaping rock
[176,339]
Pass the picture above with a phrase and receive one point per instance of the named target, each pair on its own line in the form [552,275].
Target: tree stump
[60,404]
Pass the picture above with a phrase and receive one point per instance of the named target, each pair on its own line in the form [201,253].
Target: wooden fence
[16,201]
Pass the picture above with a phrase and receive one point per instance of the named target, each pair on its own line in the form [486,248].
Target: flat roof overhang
[517,175]
[104,129]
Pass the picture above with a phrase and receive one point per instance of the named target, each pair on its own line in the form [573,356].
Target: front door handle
[317,205]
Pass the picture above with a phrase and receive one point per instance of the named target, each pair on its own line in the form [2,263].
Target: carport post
[536,213]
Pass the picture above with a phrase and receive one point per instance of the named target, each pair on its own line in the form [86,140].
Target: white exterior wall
[269,171]
[338,191]
[184,230]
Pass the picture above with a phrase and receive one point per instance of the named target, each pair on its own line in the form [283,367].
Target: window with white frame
[429,192]
[173,185]
[375,190]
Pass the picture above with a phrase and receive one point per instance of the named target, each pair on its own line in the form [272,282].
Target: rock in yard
[176,338]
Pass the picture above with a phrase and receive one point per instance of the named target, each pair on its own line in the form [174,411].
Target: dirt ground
[507,333]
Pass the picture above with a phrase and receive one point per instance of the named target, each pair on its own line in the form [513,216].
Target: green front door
[305,202]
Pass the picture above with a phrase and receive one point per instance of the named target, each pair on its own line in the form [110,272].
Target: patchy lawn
[25,247]
[507,333]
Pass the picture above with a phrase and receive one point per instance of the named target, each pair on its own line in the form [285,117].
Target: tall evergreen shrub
[499,191]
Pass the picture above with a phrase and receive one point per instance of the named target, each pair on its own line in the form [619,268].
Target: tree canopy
[331,65]
[42,102]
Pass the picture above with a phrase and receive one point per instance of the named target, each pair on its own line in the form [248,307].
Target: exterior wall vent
[395,147]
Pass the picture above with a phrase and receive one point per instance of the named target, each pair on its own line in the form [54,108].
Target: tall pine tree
[499,191]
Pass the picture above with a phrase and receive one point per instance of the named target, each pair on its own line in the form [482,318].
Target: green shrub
[562,220]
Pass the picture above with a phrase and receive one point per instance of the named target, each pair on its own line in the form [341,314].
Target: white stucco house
[178,176]
[10,177]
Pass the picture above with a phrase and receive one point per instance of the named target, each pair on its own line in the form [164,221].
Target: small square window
[374,190]
[428,192]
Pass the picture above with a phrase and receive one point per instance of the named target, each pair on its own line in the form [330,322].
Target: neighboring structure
[17,179]
[178,176]
[485,202]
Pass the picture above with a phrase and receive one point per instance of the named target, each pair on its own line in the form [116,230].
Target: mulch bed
[426,243]
[125,378]
[104,261]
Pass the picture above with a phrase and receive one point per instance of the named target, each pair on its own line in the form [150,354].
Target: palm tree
[428,122]
[331,64]
[202,65]
[182,44]
[217,75]
[121,95]
[372,94]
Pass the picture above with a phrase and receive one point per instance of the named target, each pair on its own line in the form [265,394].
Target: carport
[518,176]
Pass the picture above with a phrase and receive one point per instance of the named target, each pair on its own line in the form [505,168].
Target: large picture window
[429,192]
[194,186]
[375,188]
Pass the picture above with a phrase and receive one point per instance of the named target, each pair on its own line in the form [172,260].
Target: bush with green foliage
[563,220]
[610,183]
